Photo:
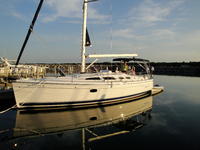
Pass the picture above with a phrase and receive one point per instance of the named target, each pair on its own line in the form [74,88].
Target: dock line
[2,112]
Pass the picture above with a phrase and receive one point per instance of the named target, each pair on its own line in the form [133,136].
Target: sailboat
[85,89]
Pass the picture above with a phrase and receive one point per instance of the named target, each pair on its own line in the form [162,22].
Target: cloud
[149,11]
[62,8]
[69,9]
[17,15]
[126,33]
[7,8]
[157,33]
[150,18]
[163,33]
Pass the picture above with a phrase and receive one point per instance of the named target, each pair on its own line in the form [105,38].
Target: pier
[10,72]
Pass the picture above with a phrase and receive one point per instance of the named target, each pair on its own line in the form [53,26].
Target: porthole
[93,118]
[93,90]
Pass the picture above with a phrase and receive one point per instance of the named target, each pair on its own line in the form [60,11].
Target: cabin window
[93,118]
[93,90]
[93,78]
[121,77]
[108,78]
[128,77]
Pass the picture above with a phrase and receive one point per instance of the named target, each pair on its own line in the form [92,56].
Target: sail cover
[87,43]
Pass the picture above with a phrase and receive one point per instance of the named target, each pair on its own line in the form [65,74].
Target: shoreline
[188,69]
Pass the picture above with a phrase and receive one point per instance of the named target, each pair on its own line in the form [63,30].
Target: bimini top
[131,59]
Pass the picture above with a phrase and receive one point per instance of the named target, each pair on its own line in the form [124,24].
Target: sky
[158,30]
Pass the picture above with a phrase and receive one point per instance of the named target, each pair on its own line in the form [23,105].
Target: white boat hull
[78,94]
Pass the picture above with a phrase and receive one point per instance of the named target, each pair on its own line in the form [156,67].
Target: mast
[83,47]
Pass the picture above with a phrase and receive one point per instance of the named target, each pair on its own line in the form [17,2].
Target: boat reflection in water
[124,117]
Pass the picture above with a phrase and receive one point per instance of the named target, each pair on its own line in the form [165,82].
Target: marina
[94,74]
[173,114]
[10,71]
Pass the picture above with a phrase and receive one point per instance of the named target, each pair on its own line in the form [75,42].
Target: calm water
[172,122]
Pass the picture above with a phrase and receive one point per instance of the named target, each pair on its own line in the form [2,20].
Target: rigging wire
[29,31]
[41,39]
[111,26]
[111,29]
